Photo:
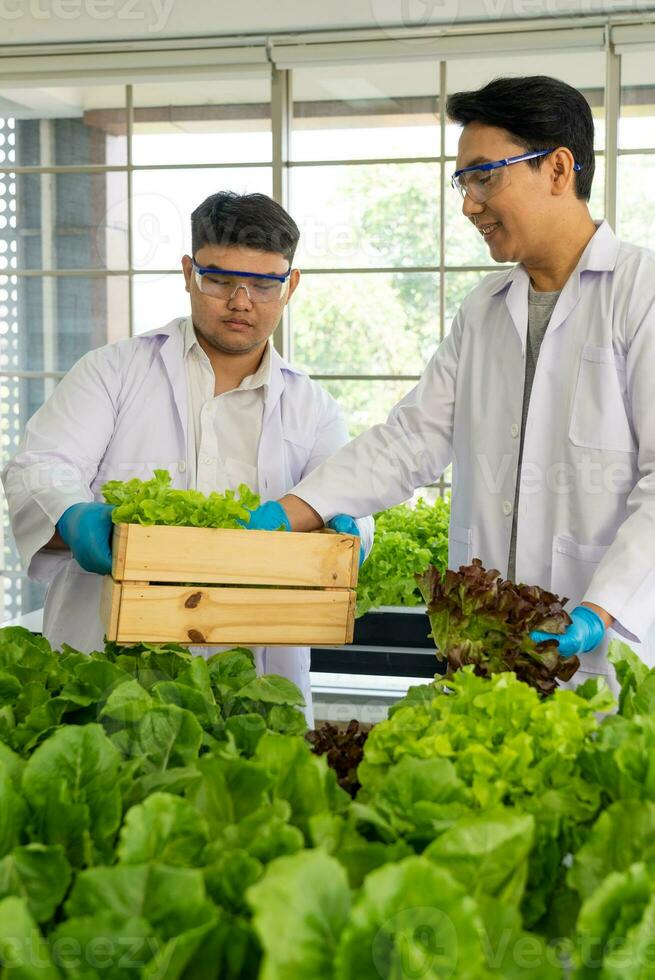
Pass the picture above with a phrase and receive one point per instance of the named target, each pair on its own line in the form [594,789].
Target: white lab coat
[121,412]
[586,522]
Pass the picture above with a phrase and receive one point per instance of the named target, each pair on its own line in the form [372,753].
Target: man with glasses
[206,397]
[542,394]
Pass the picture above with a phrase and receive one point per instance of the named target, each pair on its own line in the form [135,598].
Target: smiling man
[542,394]
[206,397]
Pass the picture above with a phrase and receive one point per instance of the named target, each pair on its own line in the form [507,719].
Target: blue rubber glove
[581,636]
[87,530]
[346,525]
[270,516]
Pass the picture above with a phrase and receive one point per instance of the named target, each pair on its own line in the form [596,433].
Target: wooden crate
[257,588]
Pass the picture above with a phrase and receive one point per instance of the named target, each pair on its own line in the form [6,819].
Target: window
[61,255]
[83,261]
[190,139]
[365,188]
[635,214]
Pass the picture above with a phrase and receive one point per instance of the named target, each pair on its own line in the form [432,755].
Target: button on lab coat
[586,520]
[121,412]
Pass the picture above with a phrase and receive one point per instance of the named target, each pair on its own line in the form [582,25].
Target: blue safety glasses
[483,180]
[224,283]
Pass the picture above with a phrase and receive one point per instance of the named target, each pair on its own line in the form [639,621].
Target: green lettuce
[154,501]
[158,914]
[71,786]
[300,909]
[164,828]
[407,540]
[621,836]
[614,874]
[507,747]
[488,853]
[40,874]
[412,919]
[172,803]
[418,799]
[616,925]
[24,952]
[636,679]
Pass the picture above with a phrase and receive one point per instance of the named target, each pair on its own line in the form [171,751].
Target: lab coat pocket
[573,566]
[600,413]
[460,546]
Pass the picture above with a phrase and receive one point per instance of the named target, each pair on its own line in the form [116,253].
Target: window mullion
[612,109]
[281,114]
[129,128]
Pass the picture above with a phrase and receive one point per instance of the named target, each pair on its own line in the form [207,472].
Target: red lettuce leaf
[479,618]
[344,751]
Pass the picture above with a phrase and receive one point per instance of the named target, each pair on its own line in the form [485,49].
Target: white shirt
[223,431]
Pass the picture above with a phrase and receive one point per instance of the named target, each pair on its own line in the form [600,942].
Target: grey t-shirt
[540,310]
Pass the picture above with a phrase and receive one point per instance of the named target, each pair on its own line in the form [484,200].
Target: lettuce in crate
[155,501]
[407,540]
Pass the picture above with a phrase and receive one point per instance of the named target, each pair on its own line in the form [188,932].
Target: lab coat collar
[279,363]
[189,335]
[602,251]
[258,379]
[172,352]
[175,329]
[262,376]
[274,476]
[600,255]
[279,371]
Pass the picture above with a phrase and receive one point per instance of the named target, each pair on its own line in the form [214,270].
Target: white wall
[38,21]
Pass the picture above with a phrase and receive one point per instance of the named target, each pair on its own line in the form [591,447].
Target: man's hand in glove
[582,635]
[87,530]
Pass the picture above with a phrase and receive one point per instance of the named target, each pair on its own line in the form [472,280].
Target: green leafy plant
[478,618]
[468,743]
[156,799]
[156,502]
[407,540]
[139,797]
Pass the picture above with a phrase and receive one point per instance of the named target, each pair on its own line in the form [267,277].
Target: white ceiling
[42,21]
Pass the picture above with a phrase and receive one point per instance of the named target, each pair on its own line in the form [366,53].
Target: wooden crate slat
[234,557]
[110,601]
[119,550]
[257,617]
[350,621]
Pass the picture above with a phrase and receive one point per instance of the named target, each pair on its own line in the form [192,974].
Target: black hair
[538,112]
[250,220]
